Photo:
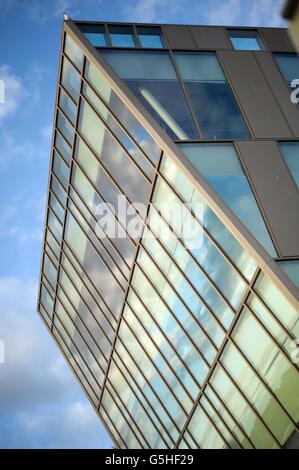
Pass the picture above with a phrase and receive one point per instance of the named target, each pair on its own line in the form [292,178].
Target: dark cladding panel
[210,37]
[179,37]
[277,40]
[276,191]
[255,95]
[280,89]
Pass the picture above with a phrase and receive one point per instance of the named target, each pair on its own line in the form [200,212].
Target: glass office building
[180,338]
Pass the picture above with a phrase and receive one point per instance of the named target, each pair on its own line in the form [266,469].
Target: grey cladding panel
[275,190]
[255,95]
[179,37]
[280,89]
[277,40]
[210,37]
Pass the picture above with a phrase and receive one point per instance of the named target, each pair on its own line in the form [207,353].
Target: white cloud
[40,403]
[14,91]
[40,11]
[231,12]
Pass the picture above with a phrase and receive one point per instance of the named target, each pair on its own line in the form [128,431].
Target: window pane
[290,151]
[67,106]
[261,399]
[152,78]
[278,303]
[70,79]
[65,128]
[94,33]
[291,268]
[56,207]
[246,40]
[205,433]
[123,114]
[122,36]
[60,170]
[58,191]
[150,37]
[50,271]
[47,301]
[213,102]
[289,66]
[220,166]
[94,266]
[73,52]
[112,156]
[278,372]
[209,220]
[241,411]
[117,130]
[63,147]
[54,225]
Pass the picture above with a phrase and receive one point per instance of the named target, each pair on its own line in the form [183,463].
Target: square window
[150,37]
[246,40]
[95,33]
[122,36]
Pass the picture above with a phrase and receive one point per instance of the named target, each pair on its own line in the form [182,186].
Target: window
[150,37]
[73,52]
[290,151]
[289,66]
[65,128]
[95,34]
[213,102]
[246,40]
[67,106]
[220,166]
[151,76]
[291,268]
[122,36]
[126,118]
[70,79]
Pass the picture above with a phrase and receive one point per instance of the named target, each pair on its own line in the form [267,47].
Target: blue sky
[41,405]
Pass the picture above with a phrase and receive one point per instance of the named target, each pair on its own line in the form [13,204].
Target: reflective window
[261,399]
[73,52]
[208,219]
[278,303]
[54,225]
[213,103]
[246,40]
[70,79]
[47,301]
[56,207]
[291,268]
[122,36]
[58,191]
[118,131]
[241,410]
[152,78]
[220,166]
[60,170]
[150,37]
[112,156]
[63,147]
[278,372]
[67,106]
[169,317]
[65,128]
[95,33]
[289,66]
[52,243]
[205,433]
[290,152]
[108,287]
[125,117]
